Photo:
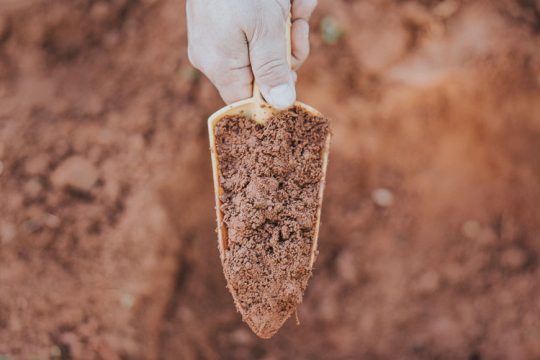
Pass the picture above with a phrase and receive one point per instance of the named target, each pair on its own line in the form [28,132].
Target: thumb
[268,57]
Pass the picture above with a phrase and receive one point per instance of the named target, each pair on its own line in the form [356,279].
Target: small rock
[32,188]
[52,221]
[471,229]
[513,258]
[127,300]
[382,197]
[428,283]
[76,173]
[36,165]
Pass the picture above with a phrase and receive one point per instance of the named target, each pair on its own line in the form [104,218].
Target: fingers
[299,43]
[236,42]
[234,84]
[268,55]
[219,50]
[301,12]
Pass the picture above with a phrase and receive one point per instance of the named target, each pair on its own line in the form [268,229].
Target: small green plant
[331,33]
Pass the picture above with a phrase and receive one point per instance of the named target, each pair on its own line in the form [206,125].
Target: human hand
[233,41]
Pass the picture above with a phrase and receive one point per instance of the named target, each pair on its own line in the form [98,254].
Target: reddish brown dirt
[429,246]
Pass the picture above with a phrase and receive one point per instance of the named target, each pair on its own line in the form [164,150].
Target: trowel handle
[256,92]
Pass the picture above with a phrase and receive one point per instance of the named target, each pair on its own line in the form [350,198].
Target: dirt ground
[430,242]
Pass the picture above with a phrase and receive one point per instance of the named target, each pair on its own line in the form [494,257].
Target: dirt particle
[52,221]
[471,229]
[75,173]
[127,300]
[32,188]
[382,197]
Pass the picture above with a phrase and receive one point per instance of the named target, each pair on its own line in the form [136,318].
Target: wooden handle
[256,91]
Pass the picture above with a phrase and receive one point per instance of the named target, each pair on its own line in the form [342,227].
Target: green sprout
[331,33]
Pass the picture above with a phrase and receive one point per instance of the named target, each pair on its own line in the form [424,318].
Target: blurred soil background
[430,242]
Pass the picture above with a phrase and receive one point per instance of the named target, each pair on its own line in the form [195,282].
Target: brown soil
[429,244]
[271,180]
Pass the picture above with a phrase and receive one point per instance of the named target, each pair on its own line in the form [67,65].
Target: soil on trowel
[271,178]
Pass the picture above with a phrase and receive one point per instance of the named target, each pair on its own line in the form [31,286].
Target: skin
[237,42]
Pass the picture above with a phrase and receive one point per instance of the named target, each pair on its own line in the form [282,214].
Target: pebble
[127,300]
[76,173]
[52,221]
[471,229]
[382,197]
[32,188]
[513,258]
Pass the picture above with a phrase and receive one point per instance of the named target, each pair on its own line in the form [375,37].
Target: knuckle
[271,70]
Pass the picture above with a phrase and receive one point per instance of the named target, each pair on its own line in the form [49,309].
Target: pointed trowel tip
[266,324]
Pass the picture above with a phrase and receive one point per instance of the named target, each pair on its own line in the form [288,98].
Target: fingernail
[282,96]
